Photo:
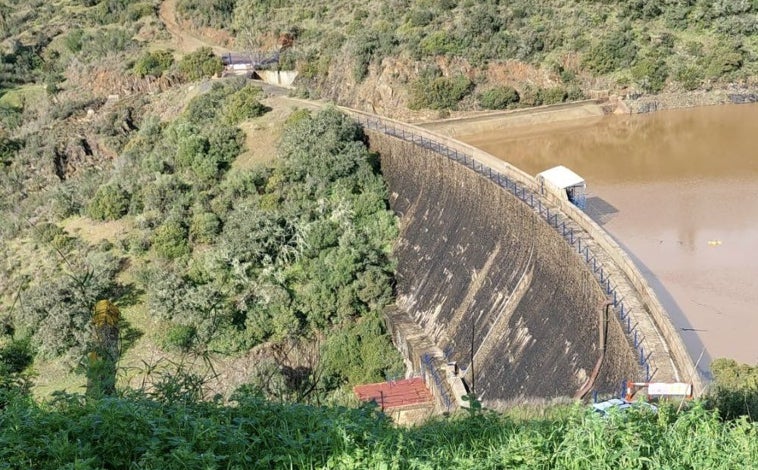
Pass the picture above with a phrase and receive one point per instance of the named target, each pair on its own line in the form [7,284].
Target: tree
[153,63]
[111,202]
[170,240]
[499,97]
[201,63]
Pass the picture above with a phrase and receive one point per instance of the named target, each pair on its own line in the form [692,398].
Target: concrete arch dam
[488,267]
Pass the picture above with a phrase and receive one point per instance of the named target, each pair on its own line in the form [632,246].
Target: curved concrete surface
[476,265]
[468,248]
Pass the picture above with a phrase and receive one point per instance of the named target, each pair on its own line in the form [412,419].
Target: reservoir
[678,189]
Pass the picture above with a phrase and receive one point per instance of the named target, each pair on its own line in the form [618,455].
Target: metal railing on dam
[660,350]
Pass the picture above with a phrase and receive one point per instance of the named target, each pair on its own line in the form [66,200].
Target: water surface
[679,191]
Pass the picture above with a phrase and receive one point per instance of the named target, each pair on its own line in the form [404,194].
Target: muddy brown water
[679,191]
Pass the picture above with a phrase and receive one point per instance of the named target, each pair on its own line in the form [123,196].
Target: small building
[404,400]
[565,184]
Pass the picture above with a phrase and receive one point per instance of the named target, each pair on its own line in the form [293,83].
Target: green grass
[172,430]
[55,375]
[18,96]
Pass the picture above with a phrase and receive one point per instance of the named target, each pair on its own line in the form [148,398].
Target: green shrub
[500,97]
[199,64]
[52,81]
[440,43]
[689,76]
[439,92]
[111,202]
[734,391]
[46,232]
[137,242]
[208,106]
[204,227]
[210,13]
[724,58]
[650,74]
[531,95]
[192,148]
[224,144]
[153,63]
[204,154]
[74,40]
[614,51]
[105,41]
[167,194]
[65,200]
[15,356]
[11,117]
[135,11]
[483,21]
[369,47]
[170,240]
[57,308]
[243,105]
[181,337]
[553,95]
[8,150]
[574,93]
[420,17]
[118,11]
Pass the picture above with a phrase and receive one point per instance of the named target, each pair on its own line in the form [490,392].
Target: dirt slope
[183,40]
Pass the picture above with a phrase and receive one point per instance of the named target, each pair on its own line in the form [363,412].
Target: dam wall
[480,272]
[668,356]
[639,316]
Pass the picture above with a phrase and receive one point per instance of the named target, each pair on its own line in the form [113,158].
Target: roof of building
[396,393]
[562,177]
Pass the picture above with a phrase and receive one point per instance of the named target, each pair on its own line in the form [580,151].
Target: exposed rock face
[476,265]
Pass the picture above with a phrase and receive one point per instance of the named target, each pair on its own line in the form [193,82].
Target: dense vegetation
[550,53]
[292,257]
[170,428]
[301,249]
[298,251]
[734,391]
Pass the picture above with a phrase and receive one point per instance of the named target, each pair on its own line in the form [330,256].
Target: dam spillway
[484,274]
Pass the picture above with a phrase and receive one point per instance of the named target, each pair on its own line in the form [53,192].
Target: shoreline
[528,120]
[650,103]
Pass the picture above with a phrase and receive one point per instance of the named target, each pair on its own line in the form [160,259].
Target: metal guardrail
[555,219]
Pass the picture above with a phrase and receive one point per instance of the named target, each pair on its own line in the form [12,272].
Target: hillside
[127,175]
[391,55]
[248,243]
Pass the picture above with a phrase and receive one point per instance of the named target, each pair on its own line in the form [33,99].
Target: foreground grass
[174,432]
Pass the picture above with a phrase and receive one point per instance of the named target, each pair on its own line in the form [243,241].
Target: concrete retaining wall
[283,78]
[662,342]
[477,265]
